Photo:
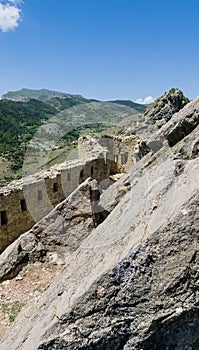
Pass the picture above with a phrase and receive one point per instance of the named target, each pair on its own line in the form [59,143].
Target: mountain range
[23,112]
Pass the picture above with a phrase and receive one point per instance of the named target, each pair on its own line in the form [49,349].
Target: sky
[103,49]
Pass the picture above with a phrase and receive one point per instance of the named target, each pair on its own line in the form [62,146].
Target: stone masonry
[26,201]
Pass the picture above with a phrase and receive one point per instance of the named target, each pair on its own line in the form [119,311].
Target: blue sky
[104,49]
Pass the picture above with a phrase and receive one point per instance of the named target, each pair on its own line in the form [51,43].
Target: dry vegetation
[16,293]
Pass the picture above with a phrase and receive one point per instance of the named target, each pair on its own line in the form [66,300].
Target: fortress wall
[99,169]
[118,149]
[23,203]
[68,180]
[14,217]
[121,149]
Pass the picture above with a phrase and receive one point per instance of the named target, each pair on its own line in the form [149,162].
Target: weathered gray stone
[188,148]
[181,124]
[148,301]
[164,107]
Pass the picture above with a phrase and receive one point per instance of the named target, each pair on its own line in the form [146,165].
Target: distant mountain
[56,99]
[139,107]
[61,100]
[42,94]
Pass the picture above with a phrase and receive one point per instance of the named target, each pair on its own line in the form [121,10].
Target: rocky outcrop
[132,282]
[148,301]
[164,107]
[182,123]
[180,133]
[188,148]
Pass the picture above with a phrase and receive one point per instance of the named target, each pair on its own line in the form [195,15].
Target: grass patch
[12,309]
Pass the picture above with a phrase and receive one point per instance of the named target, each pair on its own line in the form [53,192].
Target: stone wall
[14,217]
[118,150]
[25,202]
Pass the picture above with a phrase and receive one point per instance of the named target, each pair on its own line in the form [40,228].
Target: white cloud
[10,15]
[146,100]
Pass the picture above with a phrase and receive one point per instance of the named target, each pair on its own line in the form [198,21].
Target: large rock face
[132,282]
[148,301]
[182,124]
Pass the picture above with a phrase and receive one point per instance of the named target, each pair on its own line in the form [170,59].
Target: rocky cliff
[164,107]
[132,282]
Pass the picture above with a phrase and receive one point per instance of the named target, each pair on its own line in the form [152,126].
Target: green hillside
[23,112]
[139,107]
[18,123]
